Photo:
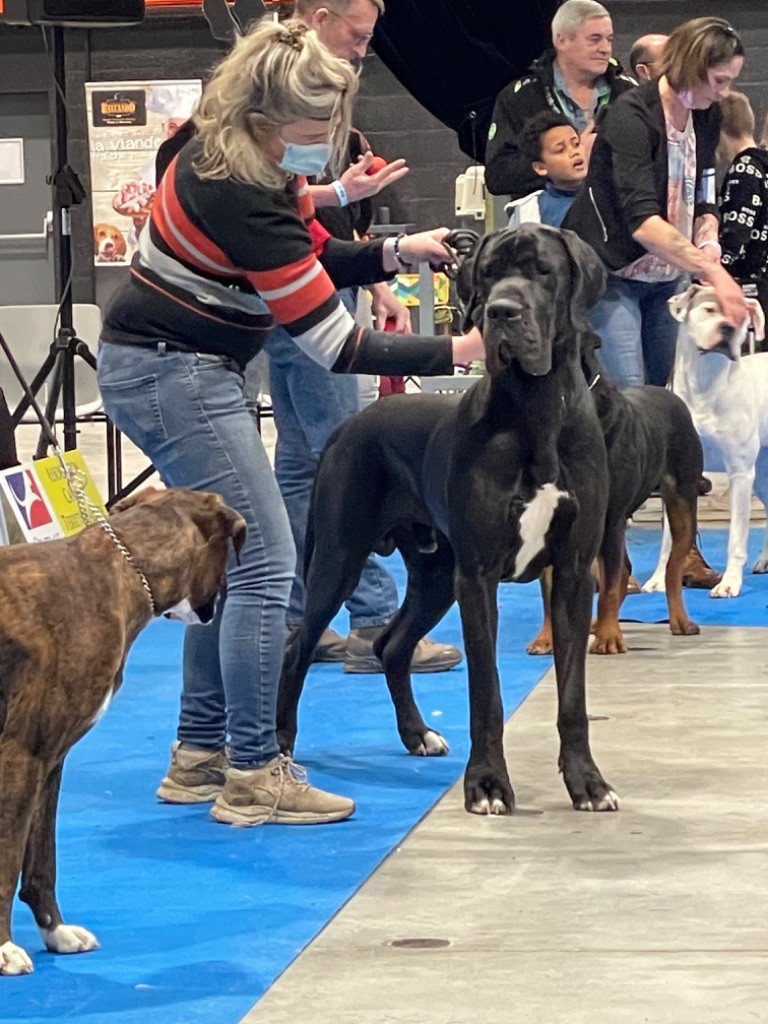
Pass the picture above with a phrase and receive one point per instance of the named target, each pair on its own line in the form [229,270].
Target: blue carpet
[196,920]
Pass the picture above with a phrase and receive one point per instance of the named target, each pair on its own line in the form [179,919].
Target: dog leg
[428,597]
[657,582]
[761,490]
[20,782]
[741,483]
[681,515]
[542,642]
[487,789]
[571,610]
[608,636]
[38,876]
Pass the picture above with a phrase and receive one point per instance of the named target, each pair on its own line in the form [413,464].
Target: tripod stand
[59,365]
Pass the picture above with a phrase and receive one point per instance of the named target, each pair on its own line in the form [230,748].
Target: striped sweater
[221,261]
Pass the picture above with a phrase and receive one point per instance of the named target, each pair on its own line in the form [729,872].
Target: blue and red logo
[29,501]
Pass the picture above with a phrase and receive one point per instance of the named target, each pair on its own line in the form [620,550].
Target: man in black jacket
[578,78]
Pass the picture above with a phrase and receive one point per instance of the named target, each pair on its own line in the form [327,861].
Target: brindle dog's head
[181,541]
[529,289]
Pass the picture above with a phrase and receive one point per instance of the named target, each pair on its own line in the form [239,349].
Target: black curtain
[455,56]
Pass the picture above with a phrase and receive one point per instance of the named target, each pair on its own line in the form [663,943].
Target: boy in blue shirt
[554,149]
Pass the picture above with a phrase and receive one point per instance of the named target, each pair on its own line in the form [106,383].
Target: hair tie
[293,37]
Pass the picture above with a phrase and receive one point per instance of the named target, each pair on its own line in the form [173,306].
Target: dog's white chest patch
[103,709]
[534,523]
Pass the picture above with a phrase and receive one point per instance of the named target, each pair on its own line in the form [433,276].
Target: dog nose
[503,309]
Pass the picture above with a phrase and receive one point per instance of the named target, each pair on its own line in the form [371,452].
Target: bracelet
[712,242]
[341,192]
[405,265]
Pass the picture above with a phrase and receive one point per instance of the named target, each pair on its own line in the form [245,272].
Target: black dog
[652,445]
[493,485]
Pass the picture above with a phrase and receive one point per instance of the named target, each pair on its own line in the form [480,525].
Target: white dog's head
[699,308]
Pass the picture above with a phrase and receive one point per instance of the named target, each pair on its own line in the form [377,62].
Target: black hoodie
[744,215]
[507,171]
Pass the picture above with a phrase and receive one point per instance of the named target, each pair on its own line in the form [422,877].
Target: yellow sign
[59,491]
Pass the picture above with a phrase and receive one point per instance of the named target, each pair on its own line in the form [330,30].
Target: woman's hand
[426,247]
[729,295]
[467,348]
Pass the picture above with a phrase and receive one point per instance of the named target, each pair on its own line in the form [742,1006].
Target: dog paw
[760,566]
[655,585]
[430,744]
[488,792]
[729,586]
[13,960]
[608,642]
[69,938]
[686,628]
[608,801]
[541,644]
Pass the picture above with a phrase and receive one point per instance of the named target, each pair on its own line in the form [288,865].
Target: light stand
[67,191]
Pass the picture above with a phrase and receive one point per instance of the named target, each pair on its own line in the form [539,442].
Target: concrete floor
[657,913]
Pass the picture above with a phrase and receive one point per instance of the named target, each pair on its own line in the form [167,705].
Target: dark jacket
[744,215]
[506,169]
[628,174]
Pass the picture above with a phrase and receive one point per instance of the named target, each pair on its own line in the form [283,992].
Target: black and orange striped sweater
[221,261]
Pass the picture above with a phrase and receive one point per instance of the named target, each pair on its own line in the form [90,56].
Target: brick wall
[179,46]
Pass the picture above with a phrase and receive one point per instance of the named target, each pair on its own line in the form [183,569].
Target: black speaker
[74,13]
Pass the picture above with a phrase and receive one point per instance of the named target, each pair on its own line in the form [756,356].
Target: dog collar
[107,527]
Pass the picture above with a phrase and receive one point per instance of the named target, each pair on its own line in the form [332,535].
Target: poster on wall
[127,122]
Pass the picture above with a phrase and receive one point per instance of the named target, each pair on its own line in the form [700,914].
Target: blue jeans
[637,331]
[188,414]
[308,403]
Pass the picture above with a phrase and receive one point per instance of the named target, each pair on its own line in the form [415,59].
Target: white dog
[727,394]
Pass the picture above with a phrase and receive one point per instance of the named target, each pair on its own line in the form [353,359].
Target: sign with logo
[29,505]
[127,123]
[117,107]
[38,502]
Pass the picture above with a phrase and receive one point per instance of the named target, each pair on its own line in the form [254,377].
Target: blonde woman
[231,247]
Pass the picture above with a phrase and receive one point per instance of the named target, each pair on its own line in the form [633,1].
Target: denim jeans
[637,330]
[188,414]
[308,403]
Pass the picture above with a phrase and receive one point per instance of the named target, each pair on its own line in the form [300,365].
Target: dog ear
[220,521]
[147,494]
[468,284]
[680,305]
[758,318]
[589,275]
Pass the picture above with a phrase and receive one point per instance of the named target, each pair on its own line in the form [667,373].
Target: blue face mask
[309,160]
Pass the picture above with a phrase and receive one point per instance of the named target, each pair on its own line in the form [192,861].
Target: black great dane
[493,485]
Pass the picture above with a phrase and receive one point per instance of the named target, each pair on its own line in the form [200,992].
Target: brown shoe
[331,647]
[277,794]
[429,656]
[195,776]
[696,572]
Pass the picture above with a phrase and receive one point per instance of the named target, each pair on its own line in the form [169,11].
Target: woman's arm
[663,240]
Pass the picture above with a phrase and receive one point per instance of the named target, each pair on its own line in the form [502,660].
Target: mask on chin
[309,160]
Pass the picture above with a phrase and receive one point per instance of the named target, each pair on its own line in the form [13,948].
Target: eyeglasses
[363,39]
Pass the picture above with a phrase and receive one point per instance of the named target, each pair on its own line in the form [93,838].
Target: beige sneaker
[330,647]
[277,794]
[195,776]
[429,656]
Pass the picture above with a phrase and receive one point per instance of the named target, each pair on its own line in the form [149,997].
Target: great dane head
[181,541]
[699,308]
[529,289]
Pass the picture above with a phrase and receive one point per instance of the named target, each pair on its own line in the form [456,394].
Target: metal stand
[59,365]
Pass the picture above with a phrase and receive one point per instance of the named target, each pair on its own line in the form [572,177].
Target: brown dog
[108,243]
[57,675]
